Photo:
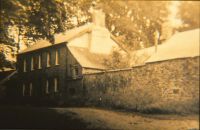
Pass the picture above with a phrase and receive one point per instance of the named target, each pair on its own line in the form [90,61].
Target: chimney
[98,16]
[100,35]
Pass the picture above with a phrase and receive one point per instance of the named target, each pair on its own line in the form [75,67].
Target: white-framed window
[48,59]
[24,65]
[47,87]
[75,71]
[57,57]
[23,89]
[55,84]
[32,63]
[39,62]
[30,89]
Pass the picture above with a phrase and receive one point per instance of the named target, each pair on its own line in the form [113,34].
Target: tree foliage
[45,18]
[117,60]
[137,24]
[33,18]
[189,13]
[133,22]
[12,13]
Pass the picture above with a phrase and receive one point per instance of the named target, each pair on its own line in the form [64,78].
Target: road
[91,118]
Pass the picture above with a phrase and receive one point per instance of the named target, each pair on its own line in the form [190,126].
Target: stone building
[55,70]
[72,68]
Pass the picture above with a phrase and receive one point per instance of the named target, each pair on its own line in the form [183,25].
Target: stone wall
[171,85]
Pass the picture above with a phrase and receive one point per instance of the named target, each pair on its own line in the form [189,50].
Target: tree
[136,21]
[12,13]
[33,19]
[136,24]
[189,13]
[77,11]
[117,60]
[45,18]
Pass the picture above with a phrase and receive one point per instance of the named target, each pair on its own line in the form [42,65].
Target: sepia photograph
[99,64]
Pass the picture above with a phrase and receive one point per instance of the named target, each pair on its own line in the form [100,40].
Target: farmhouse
[73,67]
[53,70]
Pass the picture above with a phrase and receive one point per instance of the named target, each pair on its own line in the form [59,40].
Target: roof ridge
[59,38]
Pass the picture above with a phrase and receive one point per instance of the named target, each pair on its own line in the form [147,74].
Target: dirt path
[90,119]
[105,119]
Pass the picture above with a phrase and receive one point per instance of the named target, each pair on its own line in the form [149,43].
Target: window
[48,59]
[39,62]
[75,71]
[57,58]
[30,89]
[23,90]
[55,85]
[24,65]
[32,63]
[47,87]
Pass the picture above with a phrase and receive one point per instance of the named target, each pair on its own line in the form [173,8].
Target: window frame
[55,85]
[30,88]
[74,71]
[39,61]
[23,89]
[24,65]
[32,63]
[57,56]
[48,63]
[47,87]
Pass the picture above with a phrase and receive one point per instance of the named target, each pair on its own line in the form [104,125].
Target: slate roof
[38,45]
[87,59]
[59,38]
[180,45]
[75,32]
[77,40]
